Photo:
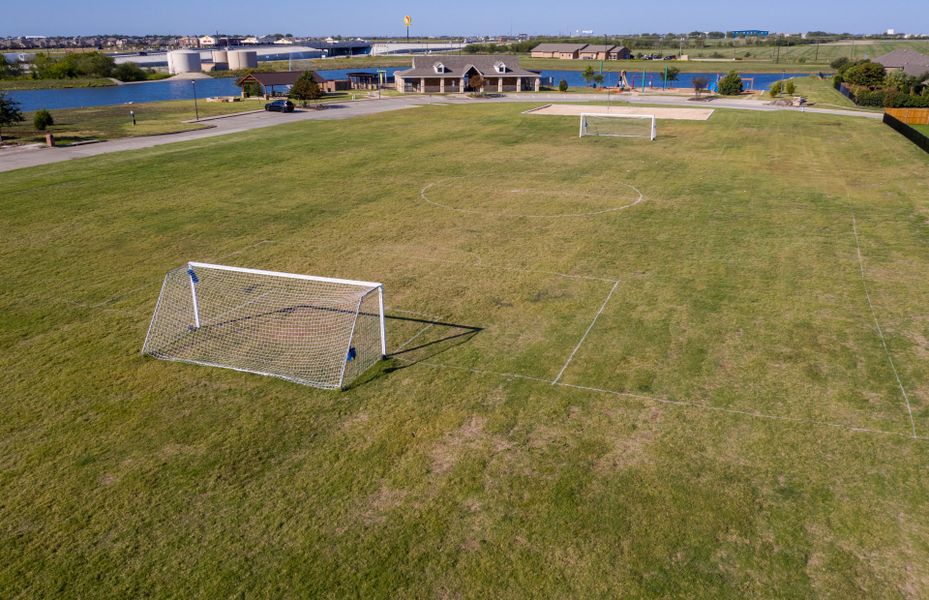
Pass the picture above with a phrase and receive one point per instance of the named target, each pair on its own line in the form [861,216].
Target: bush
[839,63]
[563,86]
[790,88]
[129,71]
[775,88]
[837,81]
[869,98]
[866,74]
[731,84]
[42,120]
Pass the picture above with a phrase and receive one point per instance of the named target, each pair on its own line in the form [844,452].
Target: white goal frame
[653,129]
[194,318]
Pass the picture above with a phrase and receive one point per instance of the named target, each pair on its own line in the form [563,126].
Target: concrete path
[30,156]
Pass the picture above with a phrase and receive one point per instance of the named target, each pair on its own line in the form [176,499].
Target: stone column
[519,84]
[442,86]
[538,83]
[499,84]
[422,85]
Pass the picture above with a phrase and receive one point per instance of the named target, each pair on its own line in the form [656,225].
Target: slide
[623,81]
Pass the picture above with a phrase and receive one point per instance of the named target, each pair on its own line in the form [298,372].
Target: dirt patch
[449,451]
[630,448]
[380,504]
[679,114]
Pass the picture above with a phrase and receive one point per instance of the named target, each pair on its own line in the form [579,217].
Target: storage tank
[243,59]
[220,56]
[184,61]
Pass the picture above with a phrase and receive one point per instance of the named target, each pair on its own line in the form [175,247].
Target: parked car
[280,106]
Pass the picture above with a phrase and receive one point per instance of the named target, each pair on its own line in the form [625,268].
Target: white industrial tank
[243,59]
[184,61]
[220,56]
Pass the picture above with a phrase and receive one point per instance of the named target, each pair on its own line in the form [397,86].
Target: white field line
[680,403]
[505,268]
[877,325]
[416,335]
[586,333]
[422,194]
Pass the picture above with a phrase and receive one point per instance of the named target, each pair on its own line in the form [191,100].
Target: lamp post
[132,115]
[196,107]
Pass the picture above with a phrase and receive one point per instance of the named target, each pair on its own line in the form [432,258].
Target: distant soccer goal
[315,331]
[619,125]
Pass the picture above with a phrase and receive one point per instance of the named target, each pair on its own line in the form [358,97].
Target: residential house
[439,74]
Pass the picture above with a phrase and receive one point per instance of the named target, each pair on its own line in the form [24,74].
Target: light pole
[196,107]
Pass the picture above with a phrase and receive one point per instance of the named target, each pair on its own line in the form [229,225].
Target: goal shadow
[421,339]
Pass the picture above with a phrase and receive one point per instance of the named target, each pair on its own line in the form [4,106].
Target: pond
[155,91]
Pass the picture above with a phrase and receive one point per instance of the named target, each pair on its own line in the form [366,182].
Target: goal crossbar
[585,119]
[366,284]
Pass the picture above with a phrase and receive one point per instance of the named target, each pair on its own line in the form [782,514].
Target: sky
[471,17]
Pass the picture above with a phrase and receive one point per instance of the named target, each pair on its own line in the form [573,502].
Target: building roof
[912,62]
[268,78]
[427,66]
[559,47]
[598,48]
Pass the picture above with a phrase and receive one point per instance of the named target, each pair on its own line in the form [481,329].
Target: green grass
[921,128]
[810,53]
[107,122]
[40,84]
[743,66]
[822,93]
[753,441]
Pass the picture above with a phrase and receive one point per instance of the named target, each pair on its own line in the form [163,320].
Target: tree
[563,86]
[700,84]
[42,120]
[839,63]
[731,84]
[673,72]
[129,71]
[775,89]
[790,88]
[306,88]
[476,83]
[9,70]
[9,113]
[866,74]
[251,88]
[598,79]
[588,74]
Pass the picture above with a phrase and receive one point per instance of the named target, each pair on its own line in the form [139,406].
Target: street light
[196,108]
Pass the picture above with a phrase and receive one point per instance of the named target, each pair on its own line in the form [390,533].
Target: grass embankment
[740,298]
[39,84]
[821,92]
[107,122]
[659,65]
[822,54]
[924,129]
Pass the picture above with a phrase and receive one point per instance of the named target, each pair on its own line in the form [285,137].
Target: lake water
[155,91]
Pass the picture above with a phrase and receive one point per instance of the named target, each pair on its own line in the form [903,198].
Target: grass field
[923,128]
[38,84]
[725,420]
[152,118]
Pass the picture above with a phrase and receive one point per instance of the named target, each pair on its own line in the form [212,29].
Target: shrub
[563,86]
[790,88]
[837,81]
[731,84]
[42,120]
[839,63]
[700,84]
[775,88]
[129,71]
[867,74]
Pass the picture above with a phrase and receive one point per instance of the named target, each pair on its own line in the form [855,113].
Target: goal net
[314,331]
[618,125]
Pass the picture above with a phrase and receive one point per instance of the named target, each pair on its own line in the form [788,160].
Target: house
[435,73]
[250,40]
[562,51]
[278,83]
[206,41]
[188,41]
[604,52]
[909,61]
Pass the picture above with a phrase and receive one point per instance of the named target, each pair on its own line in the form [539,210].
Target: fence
[910,116]
[911,134]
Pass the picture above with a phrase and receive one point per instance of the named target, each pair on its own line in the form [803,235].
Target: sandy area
[680,114]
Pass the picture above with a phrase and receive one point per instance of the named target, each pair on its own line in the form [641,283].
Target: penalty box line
[679,403]
[586,333]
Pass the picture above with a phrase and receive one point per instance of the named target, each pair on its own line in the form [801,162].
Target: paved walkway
[30,156]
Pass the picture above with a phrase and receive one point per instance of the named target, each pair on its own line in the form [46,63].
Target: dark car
[280,106]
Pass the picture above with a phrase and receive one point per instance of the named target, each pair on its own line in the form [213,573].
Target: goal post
[318,331]
[618,125]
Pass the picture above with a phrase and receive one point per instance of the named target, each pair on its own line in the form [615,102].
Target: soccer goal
[315,331]
[619,125]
